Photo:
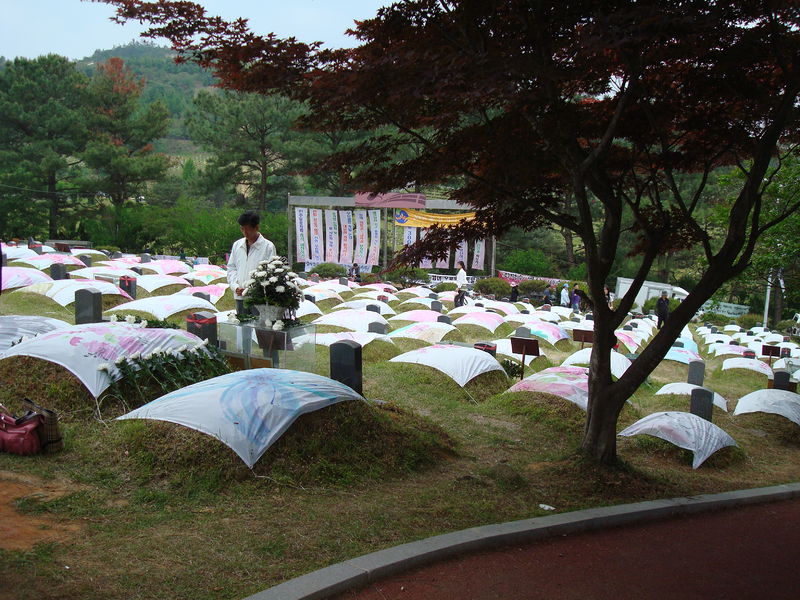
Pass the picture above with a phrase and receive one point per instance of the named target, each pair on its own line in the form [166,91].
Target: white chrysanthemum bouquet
[273,283]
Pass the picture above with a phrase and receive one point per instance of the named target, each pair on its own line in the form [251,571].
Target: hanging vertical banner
[461,253]
[444,263]
[346,252]
[374,237]
[360,250]
[301,233]
[426,262]
[331,237]
[316,237]
[409,235]
[477,258]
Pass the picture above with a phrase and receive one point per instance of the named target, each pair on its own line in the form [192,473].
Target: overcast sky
[75,28]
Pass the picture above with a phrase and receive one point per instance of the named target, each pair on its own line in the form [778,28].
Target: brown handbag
[49,432]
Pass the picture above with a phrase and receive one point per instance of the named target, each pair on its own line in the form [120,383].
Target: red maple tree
[517,104]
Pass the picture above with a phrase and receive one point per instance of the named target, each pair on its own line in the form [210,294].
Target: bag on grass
[49,432]
[19,435]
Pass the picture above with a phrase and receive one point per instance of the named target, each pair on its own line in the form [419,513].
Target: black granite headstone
[344,281]
[489,347]
[58,271]
[346,364]
[697,372]
[116,255]
[522,332]
[373,308]
[88,306]
[524,311]
[702,403]
[4,260]
[782,381]
[85,259]
[145,258]
[677,344]
[627,328]
[128,285]
[589,317]
[204,325]
[137,270]
[204,296]
[381,328]
[444,319]
[436,305]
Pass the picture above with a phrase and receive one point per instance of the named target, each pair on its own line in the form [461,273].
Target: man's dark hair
[250,218]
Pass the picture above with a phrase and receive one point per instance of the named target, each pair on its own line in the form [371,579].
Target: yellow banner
[416,218]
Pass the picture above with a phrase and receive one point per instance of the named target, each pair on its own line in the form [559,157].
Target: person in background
[576,299]
[461,285]
[662,308]
[607,295]
[354,273]
[245,255]
[514,292]
[565,295]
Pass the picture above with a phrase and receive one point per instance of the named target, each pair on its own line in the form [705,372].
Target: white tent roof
[459,363]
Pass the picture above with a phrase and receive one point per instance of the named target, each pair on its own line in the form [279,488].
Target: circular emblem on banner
[401,216]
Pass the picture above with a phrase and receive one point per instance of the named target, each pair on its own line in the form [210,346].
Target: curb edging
[361,570]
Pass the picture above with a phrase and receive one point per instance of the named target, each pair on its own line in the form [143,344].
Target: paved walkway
[744,553]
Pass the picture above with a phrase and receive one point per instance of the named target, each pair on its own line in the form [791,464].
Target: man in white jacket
[246,253]
[565,296]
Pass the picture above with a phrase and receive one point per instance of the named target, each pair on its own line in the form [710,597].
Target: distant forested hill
[174,84]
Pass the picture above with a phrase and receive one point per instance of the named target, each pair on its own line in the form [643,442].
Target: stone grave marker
[436,305]
[373,308]
[522,332]
[204,325]
[128,285]
[444,319]
[58,271]
[145,258]
[346,363]
[88,306]
[380,328]
[702,403]
[697,372]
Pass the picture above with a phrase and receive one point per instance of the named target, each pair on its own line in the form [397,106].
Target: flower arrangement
[274,284]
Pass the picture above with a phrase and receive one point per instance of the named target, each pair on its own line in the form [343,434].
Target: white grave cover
[751,364]
[346,253]
[681,388]
[246,410]
[685,430]
[459,363]
[16,277]
[360,250]
[778,402]
[151,283]
[14,327]
[82,349]
[353,319]
[301,233]
[63,290]
[331,236]
[162,307]
[619,363]
[431,332]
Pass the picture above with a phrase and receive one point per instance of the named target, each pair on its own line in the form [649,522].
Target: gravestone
[749,354]
[488,347]
[524,311]
[309,297]
[783,381]
[344,281]
[523,332]
[203,295]
[85,259]
[381,328]
[137,270]
[575,319]
[128,285]
[346,363]
[627,328]
[702,403]
[145,258]
[714,330]
[526,300]
[36,248]
[444,319]
[504,299]
[479,304]
[383,298]
[373,308]
[786,352]
[697,372]
[204,325]
[88,306]
[315,277]
[634,325]
[58,271]
[433,296]
[436,305]
[677,344]
[546,308]
[303,274]
[589,317]
[116,255]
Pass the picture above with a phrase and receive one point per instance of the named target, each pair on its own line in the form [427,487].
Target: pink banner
[374,237]
[331,237]
[360,251]
[317,236]
[461,253]
[346,252]
[394,200]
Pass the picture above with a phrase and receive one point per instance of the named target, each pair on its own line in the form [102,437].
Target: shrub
[407,275]
[493,285]
[715,319]
[530,261]
[367,278]
[785,325]
[445,286]
[329,270]
[749,320]
[532,287]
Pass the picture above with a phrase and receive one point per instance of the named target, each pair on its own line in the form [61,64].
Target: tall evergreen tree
[42,130]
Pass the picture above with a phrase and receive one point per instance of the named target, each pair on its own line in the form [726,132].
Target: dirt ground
[20,531]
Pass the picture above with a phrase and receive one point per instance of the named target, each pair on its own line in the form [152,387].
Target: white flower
[144,323]
[279,270]
[182,348]
[136,356]
[148,356]
[261,273]
[120,360]
[104,367]
[277,325]
[280,289]
[232,318]
[249,282]
[25,338]
[291,274]
[130,319]
[205,342]
[113,318]
[273,279]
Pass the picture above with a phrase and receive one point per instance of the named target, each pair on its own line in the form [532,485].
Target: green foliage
[512,368]
[650,304]
[329,270]
[715,318]
[529,262]
[406,276]
[577,272]
[749,320]
[445,286]
[492,285]
[367,278]
[532,287]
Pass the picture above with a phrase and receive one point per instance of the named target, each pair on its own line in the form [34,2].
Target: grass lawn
[151,510]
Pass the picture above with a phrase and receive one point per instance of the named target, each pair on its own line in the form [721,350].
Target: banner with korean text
[331,237]
[346,253]
[409,235]
[426,262]
[461,253]
[444,263]
[317,233]
[374,237]
[360,250]
[301,233]
[478,257]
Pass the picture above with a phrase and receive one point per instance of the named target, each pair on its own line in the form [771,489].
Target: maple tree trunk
[777,309]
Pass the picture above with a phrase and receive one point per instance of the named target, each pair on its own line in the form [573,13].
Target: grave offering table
[249,346]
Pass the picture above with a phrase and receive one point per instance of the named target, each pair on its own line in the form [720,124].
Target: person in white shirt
[565,296]
[246,253]
[461,285]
